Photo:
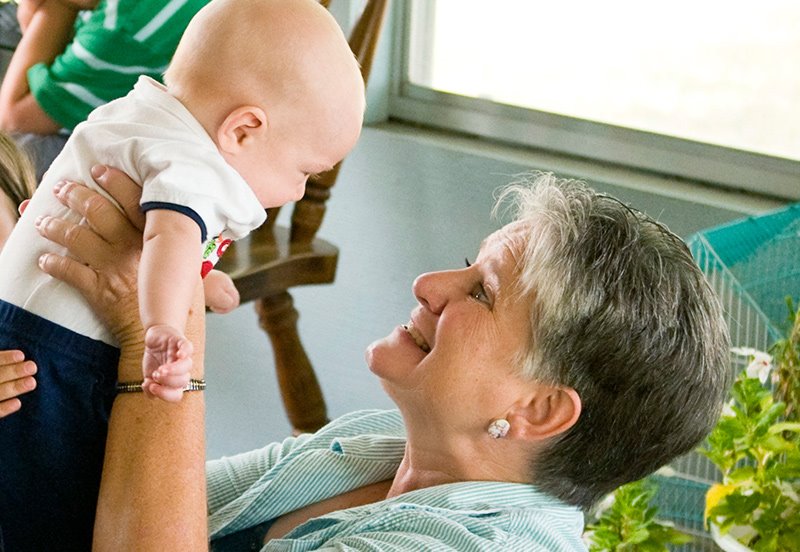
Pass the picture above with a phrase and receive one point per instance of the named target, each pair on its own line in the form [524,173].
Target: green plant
[786,355]
[755,446]
[630,524]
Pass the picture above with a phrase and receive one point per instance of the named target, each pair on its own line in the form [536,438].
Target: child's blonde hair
[17,176]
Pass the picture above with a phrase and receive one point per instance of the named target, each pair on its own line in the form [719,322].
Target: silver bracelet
[136,386]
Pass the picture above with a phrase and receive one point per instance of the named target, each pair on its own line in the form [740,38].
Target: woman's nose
[432,290]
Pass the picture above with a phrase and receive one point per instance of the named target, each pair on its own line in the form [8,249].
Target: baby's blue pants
[51,451]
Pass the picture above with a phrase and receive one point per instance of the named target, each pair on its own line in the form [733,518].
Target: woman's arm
[153,494]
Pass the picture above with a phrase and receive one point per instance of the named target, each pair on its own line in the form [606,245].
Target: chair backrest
[308,213]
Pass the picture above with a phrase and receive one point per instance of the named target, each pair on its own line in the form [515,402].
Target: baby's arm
[168,274]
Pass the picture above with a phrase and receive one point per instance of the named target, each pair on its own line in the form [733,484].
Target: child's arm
[168,274]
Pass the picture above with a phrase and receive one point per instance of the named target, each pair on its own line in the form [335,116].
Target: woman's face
[455,361]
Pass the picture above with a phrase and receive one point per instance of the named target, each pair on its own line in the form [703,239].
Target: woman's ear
[548,411]
[241,128]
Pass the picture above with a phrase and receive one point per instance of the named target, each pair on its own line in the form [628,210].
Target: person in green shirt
[75,55]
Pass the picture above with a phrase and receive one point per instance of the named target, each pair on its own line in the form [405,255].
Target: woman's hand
[16,378]
[104,260]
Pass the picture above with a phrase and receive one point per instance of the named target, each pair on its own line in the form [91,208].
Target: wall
[346,13]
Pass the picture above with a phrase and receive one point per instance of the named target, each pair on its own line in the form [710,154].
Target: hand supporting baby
[105,269]
[16,373]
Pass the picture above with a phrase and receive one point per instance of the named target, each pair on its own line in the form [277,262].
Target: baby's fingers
[173,375]
[169,394]
[182,349]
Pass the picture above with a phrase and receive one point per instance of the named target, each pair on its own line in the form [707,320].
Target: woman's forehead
[511,238]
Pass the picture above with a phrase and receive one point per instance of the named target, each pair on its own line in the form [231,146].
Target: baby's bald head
[275,85]
[264,52]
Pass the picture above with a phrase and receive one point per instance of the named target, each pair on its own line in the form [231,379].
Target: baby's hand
[221,295]
[167,363]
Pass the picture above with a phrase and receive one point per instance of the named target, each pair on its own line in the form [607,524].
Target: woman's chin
[393,356]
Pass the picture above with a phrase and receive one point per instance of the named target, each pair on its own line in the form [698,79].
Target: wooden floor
[406,202]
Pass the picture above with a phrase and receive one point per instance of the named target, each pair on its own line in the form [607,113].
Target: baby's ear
[241,127]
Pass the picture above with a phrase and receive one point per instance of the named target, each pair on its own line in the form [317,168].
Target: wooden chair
[273,259]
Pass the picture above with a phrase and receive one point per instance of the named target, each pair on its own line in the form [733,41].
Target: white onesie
[153,138]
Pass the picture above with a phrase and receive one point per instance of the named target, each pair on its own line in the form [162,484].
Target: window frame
[606,143]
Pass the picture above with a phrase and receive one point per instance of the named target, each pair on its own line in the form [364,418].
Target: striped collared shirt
[366,447]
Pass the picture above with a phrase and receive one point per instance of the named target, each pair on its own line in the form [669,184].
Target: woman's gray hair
[622,314]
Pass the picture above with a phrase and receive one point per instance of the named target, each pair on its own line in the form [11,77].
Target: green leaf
[780,427]
[777,444]
[664,534]
[743,473]
[630,523]
[638,536]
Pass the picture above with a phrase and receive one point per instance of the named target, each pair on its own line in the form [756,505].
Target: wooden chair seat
[274,259]
[267,263]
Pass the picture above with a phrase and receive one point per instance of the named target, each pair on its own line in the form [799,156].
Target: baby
[259,95]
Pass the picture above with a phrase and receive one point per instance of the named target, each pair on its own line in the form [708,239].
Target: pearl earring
[499,428]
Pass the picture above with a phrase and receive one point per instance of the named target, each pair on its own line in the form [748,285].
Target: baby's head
[276,86]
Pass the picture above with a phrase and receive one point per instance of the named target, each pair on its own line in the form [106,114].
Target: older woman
[582,349]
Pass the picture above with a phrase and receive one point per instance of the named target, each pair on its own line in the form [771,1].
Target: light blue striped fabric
[366,447]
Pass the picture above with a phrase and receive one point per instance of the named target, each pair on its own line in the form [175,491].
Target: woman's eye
[480,294]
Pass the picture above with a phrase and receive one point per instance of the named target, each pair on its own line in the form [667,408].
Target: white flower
[760,366]
[727,410]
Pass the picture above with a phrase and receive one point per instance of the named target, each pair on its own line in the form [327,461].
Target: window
[704,90]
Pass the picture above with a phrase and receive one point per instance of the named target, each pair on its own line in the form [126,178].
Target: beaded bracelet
[136,386]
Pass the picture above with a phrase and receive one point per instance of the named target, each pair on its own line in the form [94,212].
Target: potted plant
[626,520]
[755,445]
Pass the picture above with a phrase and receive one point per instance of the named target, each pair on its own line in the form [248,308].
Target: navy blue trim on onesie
[51,450]
[183,209]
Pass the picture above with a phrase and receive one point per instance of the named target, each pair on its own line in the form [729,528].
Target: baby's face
[296,148]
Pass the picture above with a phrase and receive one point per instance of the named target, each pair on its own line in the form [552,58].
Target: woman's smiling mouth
[417,337]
